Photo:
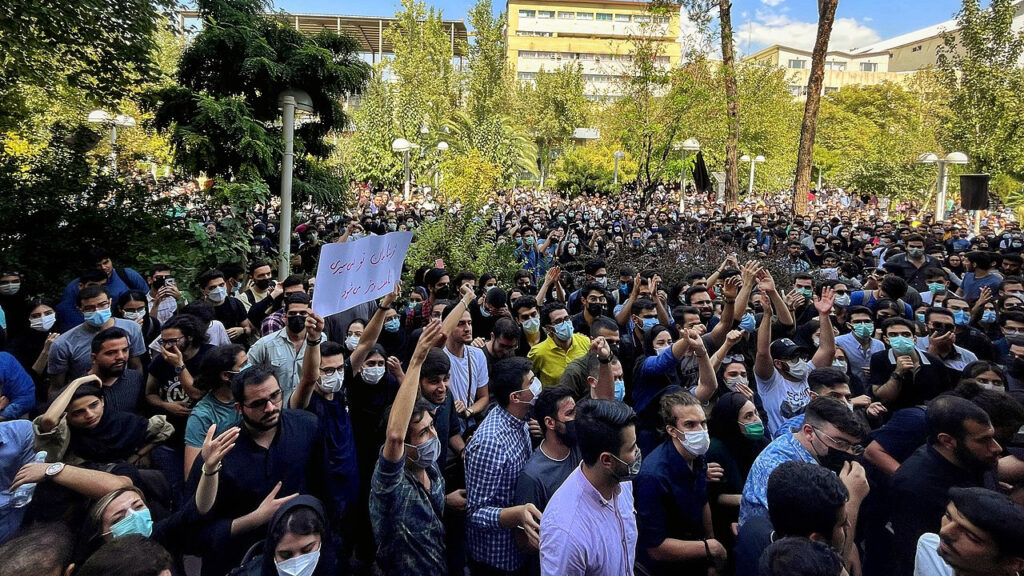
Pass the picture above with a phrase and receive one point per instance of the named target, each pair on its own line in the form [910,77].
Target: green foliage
[372,159]
[590,169]
[981,65]
[468,179]
[550,108]
[223,115]
[465,241]
[489,79]
[498,140]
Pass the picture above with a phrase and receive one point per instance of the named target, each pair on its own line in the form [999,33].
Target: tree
[498,139]
[222,115]
[489,81]
[590,169]
[372,159]
[551,108]
[468,179]
[732,102]
[980,63]
[805,154]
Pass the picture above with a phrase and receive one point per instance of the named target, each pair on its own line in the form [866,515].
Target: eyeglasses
[165,342]
[329,371]
[100,306]
[855,449]
[275,398]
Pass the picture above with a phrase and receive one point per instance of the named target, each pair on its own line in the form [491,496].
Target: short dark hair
[826,377]
[547,403]
[688,296]
[549,308]
[994,513]
[192,327]
[91,292]
[859,310]
[506,328]
[894,286]
[523,302]
[593,265]
[295,298]
[589,287]
[132,555]
[795,556]
[932,311]
[92,275]
[948,414]
[217,361]
[602,323]
[132,296]
[496,297]
[1004,411]
[825,410]
[804,498]
[258,264]
[435,364]
[112,333]
[507,378]
[641,304]
[212,274]
[599,426]
[294,280]
[896,321]
[252,376]
[42,549]
[329,348]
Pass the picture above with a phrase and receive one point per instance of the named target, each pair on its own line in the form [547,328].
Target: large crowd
[837,393]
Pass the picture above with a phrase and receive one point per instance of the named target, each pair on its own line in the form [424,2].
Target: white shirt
[461,385]
[928,562]
[782,398]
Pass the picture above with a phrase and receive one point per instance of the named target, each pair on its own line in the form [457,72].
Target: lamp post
[619,155]
[442,147]
[404,146]
[104,117]
[688,145]
[289,100]
[940,185]
[753,163]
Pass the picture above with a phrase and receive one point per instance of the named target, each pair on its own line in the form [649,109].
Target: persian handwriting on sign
[355,272]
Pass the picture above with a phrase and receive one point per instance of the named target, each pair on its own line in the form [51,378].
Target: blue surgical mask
[134,522]
[392,325]
[620,390]
[302,565]
[427,452]
[97,318]
[920,317]
[902,345]
[564,330]
[648,324]
[748,323]
[484,312]
[934,287]
[988,317]
[531,326]
[961,317]
[864,330]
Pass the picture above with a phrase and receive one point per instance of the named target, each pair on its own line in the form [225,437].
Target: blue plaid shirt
[495,456]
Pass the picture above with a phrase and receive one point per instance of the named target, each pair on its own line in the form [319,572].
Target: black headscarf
[117,436]
[723,426]
[326,564]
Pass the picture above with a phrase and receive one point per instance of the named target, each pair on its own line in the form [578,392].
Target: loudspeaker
[974,191]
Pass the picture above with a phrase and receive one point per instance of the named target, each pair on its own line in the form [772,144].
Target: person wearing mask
[408,490]
[589,526]
[32,347]
[133,306]
[269,313]
[940,325]
[968,336]
[217,407]
[676,533]
[962,451]
[163,294]
[781,367]
[526,313]
[299,542]
[904,376]
[595,305]
[229,311]
[595,270]
[71,353]
[891,287]
[563,345]
[737,437]
[556,457]
[261,278]
[437,283]
[13,302]
[981,534]
[115,281]
[913,265]
[469,374]
[282,352]
[487,309]
[859,344]
[804,500]
[495,457]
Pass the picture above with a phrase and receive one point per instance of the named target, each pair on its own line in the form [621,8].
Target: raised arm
[731,338]
[605,385]
[730,289]
[622,318]
[707,384]
[214,450]
[401,409]
[766,284]
[310,363]
[664,318]
[372,330]
[748,275]
[827,343]
[763,366]
[49,419]
[550,277]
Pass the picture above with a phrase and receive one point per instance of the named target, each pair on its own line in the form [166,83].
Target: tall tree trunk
[805,155]
[732,99]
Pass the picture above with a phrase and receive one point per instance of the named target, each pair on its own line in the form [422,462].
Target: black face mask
[262,285]
[569,436]
[614,349]
[595,309]
[296,324]
[443,293]
[835,459]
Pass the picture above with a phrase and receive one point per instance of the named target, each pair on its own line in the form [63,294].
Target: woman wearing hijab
[298,543]
[31,346]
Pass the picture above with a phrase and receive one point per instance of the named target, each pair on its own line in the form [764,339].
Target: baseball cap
[784,349]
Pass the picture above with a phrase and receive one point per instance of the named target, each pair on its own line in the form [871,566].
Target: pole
[940,193]
[819,179]
[750,189]
[682,182]
[616,181]
[408,184]
[113,149]
[285,236]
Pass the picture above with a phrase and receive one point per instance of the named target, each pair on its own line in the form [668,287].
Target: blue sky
[758,23]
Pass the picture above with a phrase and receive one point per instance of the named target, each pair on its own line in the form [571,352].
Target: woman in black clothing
[32,346]
[133,306]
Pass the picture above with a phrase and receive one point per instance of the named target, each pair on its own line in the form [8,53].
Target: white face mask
[697,442]
[351,342]
[303,565]
[535,389]
[798,369]
[43,323]
[10,289]
[331,384]
[134,315]
[734,383]
[217,294]
[372,374]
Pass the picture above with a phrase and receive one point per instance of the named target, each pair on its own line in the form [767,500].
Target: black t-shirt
[231,313]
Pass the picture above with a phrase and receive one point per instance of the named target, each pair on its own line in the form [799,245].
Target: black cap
[785,349]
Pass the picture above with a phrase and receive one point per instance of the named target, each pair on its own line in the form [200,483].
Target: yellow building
[548,34]
[841,68]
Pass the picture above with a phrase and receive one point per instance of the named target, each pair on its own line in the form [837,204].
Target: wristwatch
[179,369]
[54,469]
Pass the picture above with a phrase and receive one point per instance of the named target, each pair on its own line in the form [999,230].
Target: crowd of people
[839,394]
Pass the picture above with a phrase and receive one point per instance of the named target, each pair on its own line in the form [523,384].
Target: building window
[605,16]
[797,64]
[584,15]
[837,66]
[567,15]
[527,75]
[622,17]
[831,89]
[868,67]
[545,13]
[642,18]
[527,13]
[798,90]
[916,48]
[534,33]
[661,19]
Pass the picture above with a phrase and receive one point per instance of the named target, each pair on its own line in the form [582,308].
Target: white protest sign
[351,273]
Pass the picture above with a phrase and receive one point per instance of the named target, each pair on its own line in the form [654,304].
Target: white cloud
[768,29]
[772,3]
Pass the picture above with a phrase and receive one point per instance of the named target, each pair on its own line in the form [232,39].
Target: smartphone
[169,282]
